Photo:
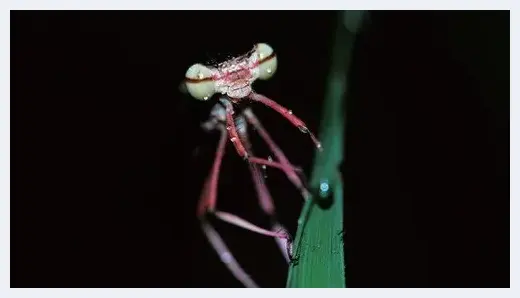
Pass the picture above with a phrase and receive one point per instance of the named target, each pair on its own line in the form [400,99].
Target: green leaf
[319,260]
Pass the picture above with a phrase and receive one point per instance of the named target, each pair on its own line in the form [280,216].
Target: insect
[233,80]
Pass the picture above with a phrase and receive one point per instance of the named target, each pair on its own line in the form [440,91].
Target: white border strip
[251,5]
[262,5]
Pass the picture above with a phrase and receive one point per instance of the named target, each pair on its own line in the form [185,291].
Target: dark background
[109,157]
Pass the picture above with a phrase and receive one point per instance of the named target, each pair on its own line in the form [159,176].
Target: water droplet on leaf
[324,188]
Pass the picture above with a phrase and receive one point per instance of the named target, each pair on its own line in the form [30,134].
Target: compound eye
[199,82]
[267,61]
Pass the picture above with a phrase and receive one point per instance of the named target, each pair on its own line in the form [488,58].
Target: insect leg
[240,222]
[233,135]
[267,205]
[287,114]
[270,163]
[287,167]
[264,197]
[226,256]
[207,202]
[208,198]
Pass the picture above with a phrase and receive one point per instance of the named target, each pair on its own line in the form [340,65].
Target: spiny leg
[264,197]
[238,142]
[207,204]
[287,166]
[270,163]
[287,114]
[208,200]
[240,222]
[267,205]
[233,135]
[226,256]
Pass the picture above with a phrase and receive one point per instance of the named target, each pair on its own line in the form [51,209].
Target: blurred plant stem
[319,260]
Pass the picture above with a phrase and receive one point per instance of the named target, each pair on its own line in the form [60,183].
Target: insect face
[233,77]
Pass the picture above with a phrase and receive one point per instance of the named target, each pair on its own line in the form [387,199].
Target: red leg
[240,222]
[225,255]
[208,198]
[287,167]
[264,197]
[271,163]
[207,204]
[287,114]
[263,194]
[267,205]
[233,135]
[285,245]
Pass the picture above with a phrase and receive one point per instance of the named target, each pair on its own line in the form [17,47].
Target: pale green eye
[267,61]
[199,82]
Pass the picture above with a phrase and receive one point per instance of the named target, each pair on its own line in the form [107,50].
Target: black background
[109,157]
